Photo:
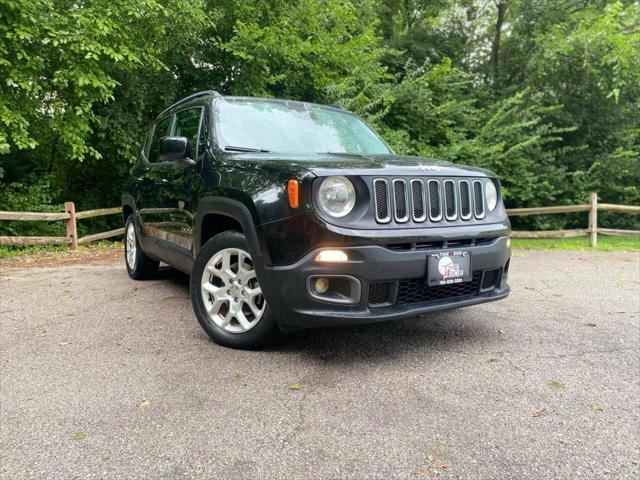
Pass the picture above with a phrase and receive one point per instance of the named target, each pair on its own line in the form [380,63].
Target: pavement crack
[298,426]
[512,363]
[589,352]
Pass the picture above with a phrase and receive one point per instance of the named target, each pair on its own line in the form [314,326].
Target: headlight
[337,196]
[491,195]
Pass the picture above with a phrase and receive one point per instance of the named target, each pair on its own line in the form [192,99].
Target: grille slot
[400,200]
[382,206]
[416,290]
[418,200]
[478,199]
[439,244]
[435,201]
[451,210]
[465,200]
[379,294]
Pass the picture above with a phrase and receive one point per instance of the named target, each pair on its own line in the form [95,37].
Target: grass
[102,245]
[605,244]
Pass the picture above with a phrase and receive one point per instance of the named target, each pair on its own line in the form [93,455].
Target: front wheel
[139,265]
[226,294]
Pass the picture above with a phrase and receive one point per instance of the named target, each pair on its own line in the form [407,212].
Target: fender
[126,200]
[230,208]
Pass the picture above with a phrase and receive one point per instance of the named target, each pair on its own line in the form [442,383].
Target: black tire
[143,267]
[266,327]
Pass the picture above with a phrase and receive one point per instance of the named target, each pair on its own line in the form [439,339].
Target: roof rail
[204,93]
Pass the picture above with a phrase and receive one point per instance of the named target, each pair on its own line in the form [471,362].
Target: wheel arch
[128,207]
[216,214]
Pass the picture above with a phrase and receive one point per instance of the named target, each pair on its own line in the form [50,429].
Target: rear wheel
[139,265]
[226,294]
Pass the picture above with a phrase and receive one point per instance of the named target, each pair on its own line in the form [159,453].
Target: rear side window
[187,124]
[202,140]
[160,129]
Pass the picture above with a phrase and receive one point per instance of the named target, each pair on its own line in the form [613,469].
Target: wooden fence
[71,217]
[592,231]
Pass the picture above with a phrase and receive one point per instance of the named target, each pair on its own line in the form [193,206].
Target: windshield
[292,127]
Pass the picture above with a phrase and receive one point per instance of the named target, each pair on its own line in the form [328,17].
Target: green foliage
[33,195]
[550,100]
[590,65]
[314,45]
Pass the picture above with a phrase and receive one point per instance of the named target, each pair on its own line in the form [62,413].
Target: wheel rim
[230,291]
[131,246]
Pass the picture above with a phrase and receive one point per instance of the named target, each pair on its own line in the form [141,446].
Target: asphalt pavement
[105,377]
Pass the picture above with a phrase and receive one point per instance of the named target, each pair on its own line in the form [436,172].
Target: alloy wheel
[131,246]
[230,291]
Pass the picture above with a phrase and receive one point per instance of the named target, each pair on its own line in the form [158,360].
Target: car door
[168,202]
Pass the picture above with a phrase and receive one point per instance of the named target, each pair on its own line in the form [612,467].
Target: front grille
[416,290]
[434,200]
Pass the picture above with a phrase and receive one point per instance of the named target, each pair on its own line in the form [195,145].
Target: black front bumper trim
[288,297]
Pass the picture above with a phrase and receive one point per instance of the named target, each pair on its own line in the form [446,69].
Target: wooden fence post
[72,230]
[593,220]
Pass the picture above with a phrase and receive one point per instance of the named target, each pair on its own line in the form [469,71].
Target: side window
[186,125]
[160,129]
[202,140]
[147,142]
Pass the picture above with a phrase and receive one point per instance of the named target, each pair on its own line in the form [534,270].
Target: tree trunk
[495,46]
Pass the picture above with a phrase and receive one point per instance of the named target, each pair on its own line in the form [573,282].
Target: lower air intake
[416,290]
[379,293]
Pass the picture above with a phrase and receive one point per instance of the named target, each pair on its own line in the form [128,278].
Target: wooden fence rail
[592,231]
[71,217]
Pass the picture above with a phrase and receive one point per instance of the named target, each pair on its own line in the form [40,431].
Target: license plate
[446,268]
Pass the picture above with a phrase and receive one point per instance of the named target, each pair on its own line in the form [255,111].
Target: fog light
[508,242]
[322,285]
[331,256]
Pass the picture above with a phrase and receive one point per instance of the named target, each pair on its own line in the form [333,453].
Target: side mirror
[173,149]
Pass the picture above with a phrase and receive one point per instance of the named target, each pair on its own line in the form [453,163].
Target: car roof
[281,100]
[207,94]
[199,95]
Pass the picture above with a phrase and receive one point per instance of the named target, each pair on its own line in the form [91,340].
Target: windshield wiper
[230,148]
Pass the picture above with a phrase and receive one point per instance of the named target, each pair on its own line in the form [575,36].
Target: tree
[546,93]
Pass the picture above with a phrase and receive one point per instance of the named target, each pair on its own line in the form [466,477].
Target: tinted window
[147,142]
[202,141]
[186,125]
[160,129]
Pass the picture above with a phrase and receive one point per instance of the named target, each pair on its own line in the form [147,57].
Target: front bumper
[392,285]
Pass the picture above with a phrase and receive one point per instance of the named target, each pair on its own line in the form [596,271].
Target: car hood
[324,164]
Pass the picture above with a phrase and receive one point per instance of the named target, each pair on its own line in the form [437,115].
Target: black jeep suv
[289,215]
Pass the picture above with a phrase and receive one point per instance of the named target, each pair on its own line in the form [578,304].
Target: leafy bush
[547,94]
